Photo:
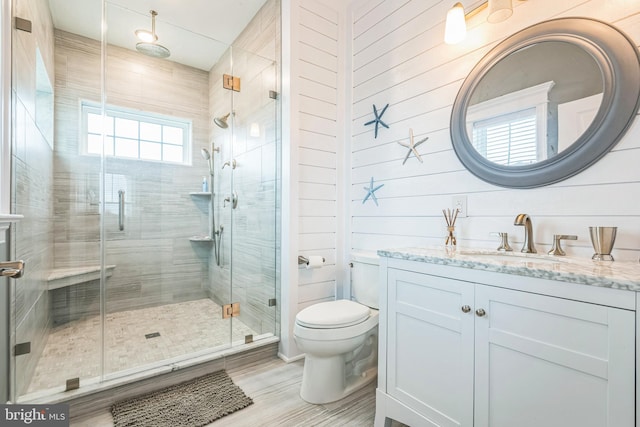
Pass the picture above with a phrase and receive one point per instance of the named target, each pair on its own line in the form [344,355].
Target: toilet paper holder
[303,260]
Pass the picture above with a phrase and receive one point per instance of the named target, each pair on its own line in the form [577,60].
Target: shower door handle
[121,210]
[13,269]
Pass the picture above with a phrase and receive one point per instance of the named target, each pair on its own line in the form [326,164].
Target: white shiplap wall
[317,82]
[399,58]
[314,128]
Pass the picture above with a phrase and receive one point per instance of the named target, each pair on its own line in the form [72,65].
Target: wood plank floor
[274,387]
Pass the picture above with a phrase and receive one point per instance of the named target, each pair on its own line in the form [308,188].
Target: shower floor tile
[133,339]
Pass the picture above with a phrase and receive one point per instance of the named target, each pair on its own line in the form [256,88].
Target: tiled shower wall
[32,172]
[250,235]
[155,262]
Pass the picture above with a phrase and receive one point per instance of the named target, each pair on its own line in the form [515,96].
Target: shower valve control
[233,199]
[231,163]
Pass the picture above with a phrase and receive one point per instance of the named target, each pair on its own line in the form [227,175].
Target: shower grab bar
[121,210]
[13,269]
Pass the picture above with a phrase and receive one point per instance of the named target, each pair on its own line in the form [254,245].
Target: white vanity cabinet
[456,350]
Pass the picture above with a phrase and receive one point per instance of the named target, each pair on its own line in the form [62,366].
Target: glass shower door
[254,151]
[158,221]
[55,306]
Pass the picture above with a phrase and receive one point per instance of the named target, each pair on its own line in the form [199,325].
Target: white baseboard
[290,359]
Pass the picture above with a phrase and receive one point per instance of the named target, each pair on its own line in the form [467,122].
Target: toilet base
[332,390]
[328,379]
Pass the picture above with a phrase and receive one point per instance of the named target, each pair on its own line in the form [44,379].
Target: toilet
[340,338]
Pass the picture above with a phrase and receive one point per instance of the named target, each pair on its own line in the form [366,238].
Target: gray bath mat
[194,403]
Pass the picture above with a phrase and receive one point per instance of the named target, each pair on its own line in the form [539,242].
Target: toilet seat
[336,334]
[333,314]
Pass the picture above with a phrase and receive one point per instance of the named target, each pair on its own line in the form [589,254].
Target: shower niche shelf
[199,195]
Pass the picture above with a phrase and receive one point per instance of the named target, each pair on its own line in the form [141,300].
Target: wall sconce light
[455,29]
[499,10]
[456,26]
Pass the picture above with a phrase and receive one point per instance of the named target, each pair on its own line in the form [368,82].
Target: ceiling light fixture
[146,35]
[148,45]
[456,24]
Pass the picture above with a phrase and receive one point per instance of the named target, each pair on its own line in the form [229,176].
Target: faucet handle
[504,241]
[556,249]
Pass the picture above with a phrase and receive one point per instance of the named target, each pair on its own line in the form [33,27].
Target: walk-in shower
[132,264]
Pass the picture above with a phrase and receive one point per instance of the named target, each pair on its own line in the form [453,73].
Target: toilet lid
[333,314]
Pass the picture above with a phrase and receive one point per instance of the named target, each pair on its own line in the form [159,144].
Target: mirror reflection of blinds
[508,139]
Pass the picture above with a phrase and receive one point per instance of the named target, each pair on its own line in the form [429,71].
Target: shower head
[153,50]
[149,45]
[222,121]
[205,153]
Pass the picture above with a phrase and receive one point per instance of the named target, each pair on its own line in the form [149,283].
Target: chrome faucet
[527,247]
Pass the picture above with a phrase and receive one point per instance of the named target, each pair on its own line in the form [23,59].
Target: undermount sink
[512,256]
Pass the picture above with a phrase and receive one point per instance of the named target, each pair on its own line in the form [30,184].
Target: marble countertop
[617,274]
[6,220]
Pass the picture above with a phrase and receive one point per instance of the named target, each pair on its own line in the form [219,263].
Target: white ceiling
[196,32]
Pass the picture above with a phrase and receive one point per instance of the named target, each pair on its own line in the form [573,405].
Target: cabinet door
[545,361]
[430,346]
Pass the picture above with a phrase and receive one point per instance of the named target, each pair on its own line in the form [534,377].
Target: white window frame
[532,97]
[521,125]
[141,116]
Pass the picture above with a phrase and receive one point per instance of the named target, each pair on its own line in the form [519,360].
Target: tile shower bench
[63,277]
[75,292]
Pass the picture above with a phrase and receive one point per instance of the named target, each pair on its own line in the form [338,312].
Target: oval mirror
[546,103]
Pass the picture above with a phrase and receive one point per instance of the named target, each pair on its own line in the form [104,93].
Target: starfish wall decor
[371,192]
[378,119]
[412,147]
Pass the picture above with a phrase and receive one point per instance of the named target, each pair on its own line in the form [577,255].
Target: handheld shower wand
[209,158]
[216,235]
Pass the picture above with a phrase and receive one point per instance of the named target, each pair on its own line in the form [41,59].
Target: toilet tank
[365,278]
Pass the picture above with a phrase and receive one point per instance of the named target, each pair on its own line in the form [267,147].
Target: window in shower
[134,134]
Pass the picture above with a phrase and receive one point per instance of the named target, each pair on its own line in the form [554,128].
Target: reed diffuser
[450,218]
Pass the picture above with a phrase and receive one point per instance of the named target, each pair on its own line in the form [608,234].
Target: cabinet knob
[466,309]
[480,312]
